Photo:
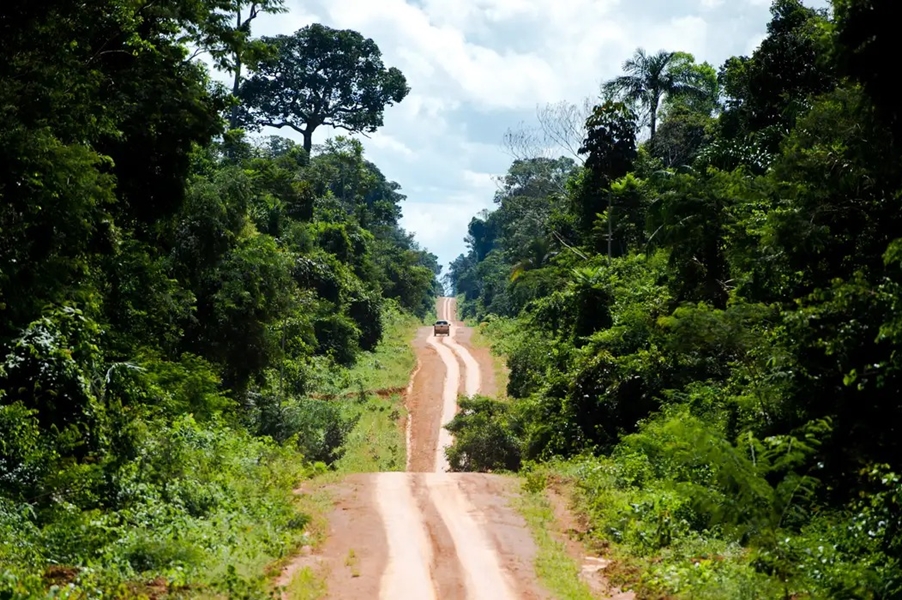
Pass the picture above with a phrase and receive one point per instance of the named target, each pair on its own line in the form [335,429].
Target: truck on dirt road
[441,328]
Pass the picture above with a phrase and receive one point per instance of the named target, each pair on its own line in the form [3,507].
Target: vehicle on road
[441,328]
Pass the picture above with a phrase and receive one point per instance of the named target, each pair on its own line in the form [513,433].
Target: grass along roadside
[374,398]
[306,585]
[556,569]
[307,582]
[491,335]
[499,361]
[389,366]
[377,442]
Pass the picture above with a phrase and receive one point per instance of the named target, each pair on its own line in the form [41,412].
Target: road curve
[471,371]
[407,574]
[436,535]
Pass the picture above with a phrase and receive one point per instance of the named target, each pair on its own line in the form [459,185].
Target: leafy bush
[485,437]
[337,337]
[196,500]
[321,429]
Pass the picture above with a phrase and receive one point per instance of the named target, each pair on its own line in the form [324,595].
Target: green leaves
[154,287]
[321,76]
[730,373]
[486,437]
[651,79]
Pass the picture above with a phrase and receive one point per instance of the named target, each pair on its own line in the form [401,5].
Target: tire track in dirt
[407,574]
[423,411]
[427,534]
[460,369]
[475,552]
[472,371]
[479,560]
[448,402]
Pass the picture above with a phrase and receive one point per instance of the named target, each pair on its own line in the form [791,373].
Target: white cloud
[477,67]
[479,181]
[388,143]
[753,44]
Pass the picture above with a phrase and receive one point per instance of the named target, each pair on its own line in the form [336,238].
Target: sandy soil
[487,384]
[447,401]
[423,405]
[426,534]
[354,555]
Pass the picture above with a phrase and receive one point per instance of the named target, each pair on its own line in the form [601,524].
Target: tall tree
[243,47]
[322,76]
[611,148]
[649,79]
[767,92]
[225,33]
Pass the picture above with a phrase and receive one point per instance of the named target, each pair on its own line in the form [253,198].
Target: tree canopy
[176,300]
[321,76]
[650,79]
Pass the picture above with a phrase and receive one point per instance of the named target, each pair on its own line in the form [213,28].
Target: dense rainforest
[697,285]
[177,295]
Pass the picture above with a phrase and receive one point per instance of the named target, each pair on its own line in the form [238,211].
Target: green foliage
[485,437]
[649,80]
[337,336]
[192,501]
[321,76]
[175,307]
[722,387]
[320,428]
[862,36]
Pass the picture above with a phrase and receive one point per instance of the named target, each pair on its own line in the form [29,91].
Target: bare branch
[197,52]
[523,143]
[280,125]
[334,125]
[575,251]
[560,130]
[563,125]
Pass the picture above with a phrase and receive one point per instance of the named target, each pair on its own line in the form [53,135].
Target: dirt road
[427,534]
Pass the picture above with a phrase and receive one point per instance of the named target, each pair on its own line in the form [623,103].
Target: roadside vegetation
[193,320]
[371,399]
[701,324]
[377,443]
[556,569]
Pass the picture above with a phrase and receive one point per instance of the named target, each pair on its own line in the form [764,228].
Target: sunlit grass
[306,585]
[389,366]
[555,568]
[377,442]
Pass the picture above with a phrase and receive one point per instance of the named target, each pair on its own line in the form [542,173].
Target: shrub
[486,437]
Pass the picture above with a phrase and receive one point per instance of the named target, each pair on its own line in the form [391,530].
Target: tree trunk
[233,114]
[308,138]
[656,101]
[236,83]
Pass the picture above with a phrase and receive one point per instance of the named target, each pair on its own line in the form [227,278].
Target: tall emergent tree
[245,48]
[321,76]
[649,79]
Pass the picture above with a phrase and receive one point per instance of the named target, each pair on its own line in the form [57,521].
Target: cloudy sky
[479,67]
